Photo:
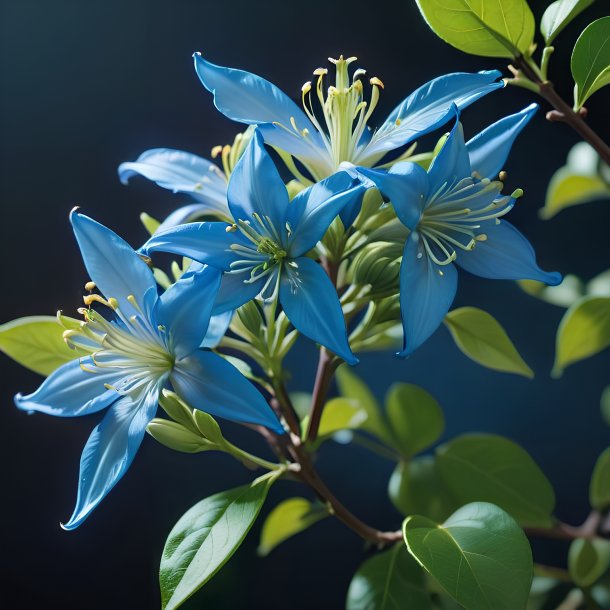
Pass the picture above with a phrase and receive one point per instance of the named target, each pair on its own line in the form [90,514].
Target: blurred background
[85,86]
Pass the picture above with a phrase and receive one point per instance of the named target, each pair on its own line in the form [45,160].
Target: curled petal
[426,293]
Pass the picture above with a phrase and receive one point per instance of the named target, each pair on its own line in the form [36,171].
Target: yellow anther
[305,132]
[90,286]
[231,228]
[293,123]
[216,151]
[397,122]
[113,303]
[481,237]
[306,88]
[358,73]
[440,272]
[502,176]
[377,82]
[89,299]
[517,193]
[320,72]
[198,186]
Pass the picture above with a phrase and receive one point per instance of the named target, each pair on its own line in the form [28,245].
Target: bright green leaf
[491,468]
[204,539]
[481,338]
[558,15]
[341,414]
[588,560]
[356,390]
[391,580]
[583,332]
[288,518]
[415,417]
[491,28]
[37,343]
[479,555]
[415,488]
[568,188]
[599,488]
[176,436]
[591,60]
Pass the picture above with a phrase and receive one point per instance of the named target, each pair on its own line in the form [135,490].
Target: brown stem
[327,365]
[563,531]
[281,403]
[563,111]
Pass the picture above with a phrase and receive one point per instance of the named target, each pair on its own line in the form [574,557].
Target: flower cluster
[303,252]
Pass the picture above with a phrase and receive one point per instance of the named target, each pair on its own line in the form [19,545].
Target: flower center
[138,351]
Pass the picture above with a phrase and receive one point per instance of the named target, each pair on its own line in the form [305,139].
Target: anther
[306,88]
[231,228]
[376,82]
[502,176]
[320,72]
[216,151]
[481,237]
[90,286]
[517,193]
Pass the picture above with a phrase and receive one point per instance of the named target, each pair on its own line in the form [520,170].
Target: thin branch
[327,365]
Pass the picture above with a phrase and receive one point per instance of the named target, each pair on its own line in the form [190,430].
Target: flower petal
[311,303]
[181,172]
[205,242]
[426,293]
[110,451]
[256,187]
[429,107]
[188,213]
[505,255]
[210,383]
[235,291]
[186,306]
[217,328]
[311,211]
[114,266]
[489,149]
[72,390]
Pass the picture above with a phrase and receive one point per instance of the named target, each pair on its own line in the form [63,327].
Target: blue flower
[264,248]
[343,134]
[453,213]
[151,343]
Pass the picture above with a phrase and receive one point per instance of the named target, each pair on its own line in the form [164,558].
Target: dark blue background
[85,86]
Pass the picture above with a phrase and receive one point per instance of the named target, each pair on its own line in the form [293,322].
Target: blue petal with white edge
[256,187]
[114,266]
[405,185]
[110,451]
[489,149]
[205,242]
[426,293]
[452,162]
[217,329]
[180,172]
[75,388]
[505,255]
[429,107]
[186,306]
[312,211]
[311,303]
[209,383]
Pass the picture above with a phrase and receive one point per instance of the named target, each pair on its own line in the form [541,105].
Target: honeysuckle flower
[151,343]
[184,172]
[342,134]
[264,248]
[453,213]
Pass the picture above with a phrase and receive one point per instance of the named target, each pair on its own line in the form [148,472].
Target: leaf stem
[327,365]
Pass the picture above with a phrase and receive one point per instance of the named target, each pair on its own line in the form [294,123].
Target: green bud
[150,224]
[248,322]
[178,410]
[333,239]
[209,427]
[177,437]
[377,264]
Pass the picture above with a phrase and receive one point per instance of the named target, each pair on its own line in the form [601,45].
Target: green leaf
[415,417]
[415,488]
[353,388]
[558,15]
[205,537]
[176,436]
[588,560]
[482,339]
[491,28]
[599,488]
[591,60]
[288,518]
[491,468]
[479,555]
[564,294]
[568,188]
[583,332]
[341,414]
[391,580]
[36,342]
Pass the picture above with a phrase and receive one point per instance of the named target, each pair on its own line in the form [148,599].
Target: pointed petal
[114,266]
[256,187]
[429,107]
[452,163]
[186,306]
[425,294]
[205,242]
[489,149]
[217,329]
[505,255]
[405,185]
[71,391]
[311,211]
[209,383]
[180,172]
[110,451]
[311,303]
